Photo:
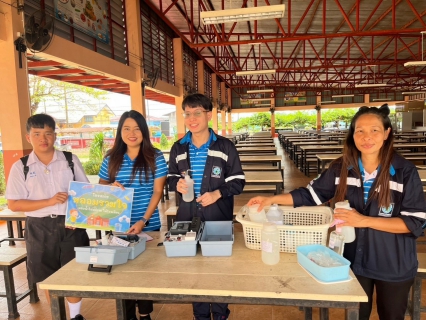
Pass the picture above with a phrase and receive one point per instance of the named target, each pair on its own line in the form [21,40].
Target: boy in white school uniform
[41,192]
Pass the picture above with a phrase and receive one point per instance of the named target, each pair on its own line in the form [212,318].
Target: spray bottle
[189,195]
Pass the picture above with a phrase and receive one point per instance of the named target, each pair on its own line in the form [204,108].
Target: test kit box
[217,238]
[102,255]
[176,245]
[109,255]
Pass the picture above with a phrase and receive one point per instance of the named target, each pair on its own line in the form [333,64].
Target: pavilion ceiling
[58,71]
[318,45]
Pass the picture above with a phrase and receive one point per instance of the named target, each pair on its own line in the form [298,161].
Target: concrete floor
[99,309]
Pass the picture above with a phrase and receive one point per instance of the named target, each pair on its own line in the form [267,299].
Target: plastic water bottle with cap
[270,243]
[189,195]
[275,215]
[347,232]
[256,216]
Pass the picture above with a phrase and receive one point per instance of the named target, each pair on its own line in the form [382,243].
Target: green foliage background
[295,120]
[97,151]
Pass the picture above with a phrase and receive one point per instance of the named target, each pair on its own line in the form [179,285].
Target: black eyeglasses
[196,114]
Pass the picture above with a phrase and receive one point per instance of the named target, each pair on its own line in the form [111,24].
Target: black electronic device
[180,228]
[195,224]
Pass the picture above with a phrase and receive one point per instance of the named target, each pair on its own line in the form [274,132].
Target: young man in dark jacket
[215,167]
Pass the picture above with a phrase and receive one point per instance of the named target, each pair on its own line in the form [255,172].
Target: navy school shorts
[50,246]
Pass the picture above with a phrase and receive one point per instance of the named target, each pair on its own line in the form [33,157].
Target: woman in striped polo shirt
[133,162]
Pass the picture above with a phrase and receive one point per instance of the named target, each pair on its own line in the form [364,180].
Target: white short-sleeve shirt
[43,182]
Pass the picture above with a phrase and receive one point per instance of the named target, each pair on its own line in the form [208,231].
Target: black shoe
[79,317]
[147,317]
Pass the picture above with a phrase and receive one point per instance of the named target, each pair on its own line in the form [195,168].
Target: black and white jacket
[377,254]
[221,154]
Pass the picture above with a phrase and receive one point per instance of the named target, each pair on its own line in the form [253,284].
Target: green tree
[98,148]
[262,119]
[164,143]
[336,115]
[69,94]
[242,124]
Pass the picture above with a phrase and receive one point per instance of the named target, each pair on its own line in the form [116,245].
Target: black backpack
[67,154]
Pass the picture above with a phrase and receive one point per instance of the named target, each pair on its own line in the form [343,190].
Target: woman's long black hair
[351,155]
[144,162]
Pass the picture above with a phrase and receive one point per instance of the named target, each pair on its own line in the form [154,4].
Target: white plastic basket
[303,225]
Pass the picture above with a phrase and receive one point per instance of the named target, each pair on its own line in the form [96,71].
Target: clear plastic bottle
[270,243]
[189,196]
[256,216]
[337,241]
[347,232]
[275,215]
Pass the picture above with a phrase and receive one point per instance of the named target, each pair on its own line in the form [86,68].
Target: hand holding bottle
[181,186]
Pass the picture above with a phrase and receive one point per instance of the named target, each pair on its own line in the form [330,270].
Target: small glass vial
[270,243]
[337,241]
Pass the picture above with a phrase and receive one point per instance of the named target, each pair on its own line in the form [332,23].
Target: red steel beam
[312,37]
[100,82]
[49,63]
[82,77]
[58,71]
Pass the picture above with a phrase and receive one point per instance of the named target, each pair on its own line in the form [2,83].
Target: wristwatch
[145,221]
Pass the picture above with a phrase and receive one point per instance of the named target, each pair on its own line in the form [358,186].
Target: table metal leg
[121,309]
[9,285]
[10,232]
[323,313]
[57,307]
[166,194]
[170,219]
[352,314]
[34,293]
[308,313]
[20,229]
[282,173]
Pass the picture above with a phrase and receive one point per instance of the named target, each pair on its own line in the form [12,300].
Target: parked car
[62,147]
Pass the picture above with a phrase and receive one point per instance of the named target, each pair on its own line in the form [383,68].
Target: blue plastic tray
[217,238]
[323,274]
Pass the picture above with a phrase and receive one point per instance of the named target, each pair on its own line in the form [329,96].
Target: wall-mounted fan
[150,80]
[39,30]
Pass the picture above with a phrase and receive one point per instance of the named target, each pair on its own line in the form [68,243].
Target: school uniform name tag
[216,172]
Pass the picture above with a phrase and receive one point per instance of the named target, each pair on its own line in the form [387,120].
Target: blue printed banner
[100,207]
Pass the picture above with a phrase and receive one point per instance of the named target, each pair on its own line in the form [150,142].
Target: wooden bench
[309,161]
[260,188]
[416,158]
[255,167]
[413,154]
[10,258]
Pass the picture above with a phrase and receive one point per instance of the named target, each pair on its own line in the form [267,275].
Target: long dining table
[251,150]
[240,278]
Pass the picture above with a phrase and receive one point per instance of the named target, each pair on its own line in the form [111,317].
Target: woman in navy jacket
[388,210]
